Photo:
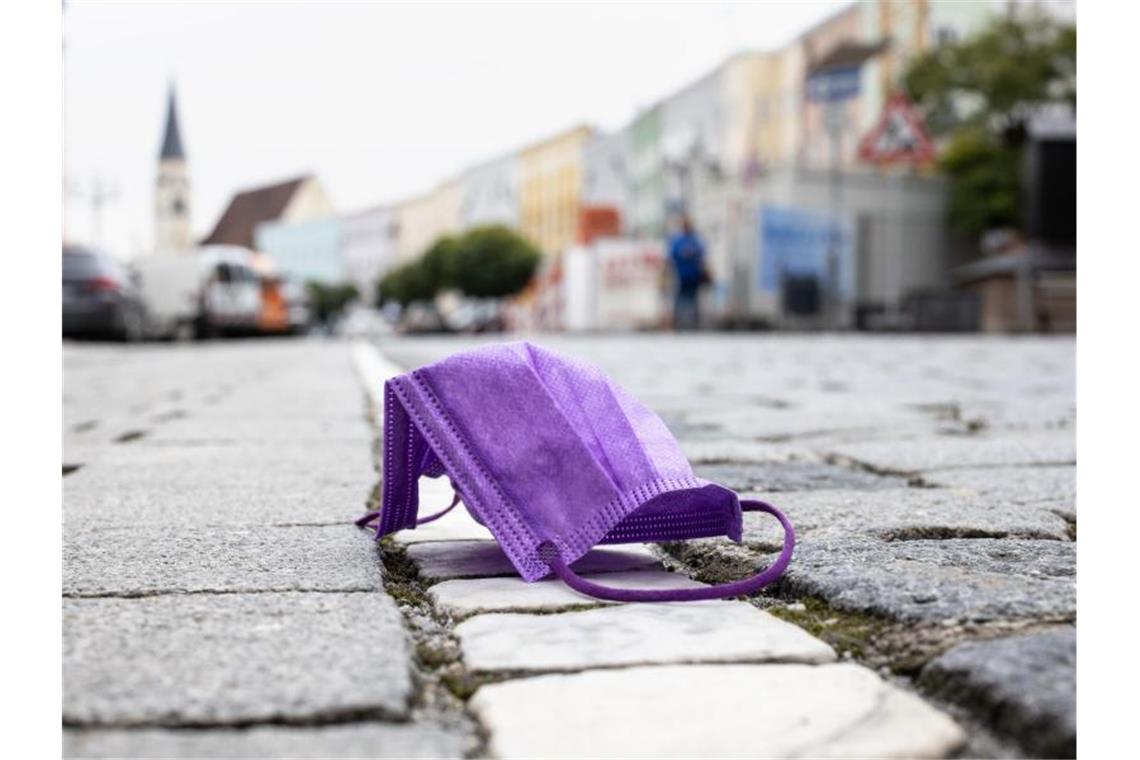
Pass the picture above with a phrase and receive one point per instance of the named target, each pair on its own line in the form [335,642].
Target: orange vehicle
[273,317]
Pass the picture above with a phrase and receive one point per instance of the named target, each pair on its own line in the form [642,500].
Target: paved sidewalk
[218,602]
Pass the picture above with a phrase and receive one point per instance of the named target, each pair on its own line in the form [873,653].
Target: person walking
[687,254]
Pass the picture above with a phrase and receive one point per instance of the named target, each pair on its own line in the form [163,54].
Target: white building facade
[368,241]
[490,193]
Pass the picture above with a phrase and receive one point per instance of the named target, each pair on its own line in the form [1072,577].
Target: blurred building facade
[799,230]
[550,180]
[423,218]
[293,222]
[489,193]
[296,200]
[646,176]
[305,251]
[605,171]
[369,241]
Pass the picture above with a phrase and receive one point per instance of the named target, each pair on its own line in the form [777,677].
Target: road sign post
[834,87]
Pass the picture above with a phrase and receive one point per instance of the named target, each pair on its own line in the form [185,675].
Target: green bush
[985,193]
[407,284]
[329,301]
[494,262]
[485,262]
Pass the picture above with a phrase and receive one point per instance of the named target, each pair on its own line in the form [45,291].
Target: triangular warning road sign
[898,135]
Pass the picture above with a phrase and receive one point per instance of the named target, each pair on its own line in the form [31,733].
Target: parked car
[100,297]
[231,293]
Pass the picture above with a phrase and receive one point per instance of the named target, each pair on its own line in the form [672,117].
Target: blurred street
[213,579]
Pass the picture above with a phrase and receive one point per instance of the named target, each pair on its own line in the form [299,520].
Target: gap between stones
[311,720]
[130,436]
[916,480]
[151,593]
[443,684]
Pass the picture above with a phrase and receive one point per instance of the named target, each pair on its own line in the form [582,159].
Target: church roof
[171,140]
[250,208]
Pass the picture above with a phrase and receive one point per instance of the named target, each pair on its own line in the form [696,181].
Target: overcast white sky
[380,100]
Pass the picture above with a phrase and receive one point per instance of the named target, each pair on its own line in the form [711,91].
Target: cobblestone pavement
[932,485]
[217,601]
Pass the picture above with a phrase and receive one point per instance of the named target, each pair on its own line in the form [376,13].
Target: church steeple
[172,188]
[172,140]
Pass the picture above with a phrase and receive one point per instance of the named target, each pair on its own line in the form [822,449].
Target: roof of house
[171,139]
[250,208]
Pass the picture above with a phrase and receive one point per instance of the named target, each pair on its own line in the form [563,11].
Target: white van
[208,291]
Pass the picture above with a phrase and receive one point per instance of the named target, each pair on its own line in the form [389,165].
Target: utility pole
[98,195]
[835,116]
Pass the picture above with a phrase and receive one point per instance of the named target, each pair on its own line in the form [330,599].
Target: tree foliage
[985,190]
[494,262]
[994,80]
[407,284]
[485,262]
[329,301]
[981,94]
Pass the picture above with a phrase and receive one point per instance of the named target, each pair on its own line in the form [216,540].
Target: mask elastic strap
[549,554]
[441,513]
[366,520]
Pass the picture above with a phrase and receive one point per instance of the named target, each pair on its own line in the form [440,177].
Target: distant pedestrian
[687,253]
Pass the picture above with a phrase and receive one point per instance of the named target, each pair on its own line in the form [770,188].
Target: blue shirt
[688,255]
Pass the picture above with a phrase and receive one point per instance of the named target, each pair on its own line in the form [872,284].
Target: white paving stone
[838,710]
[714,631]
[456,525]
[443,560]
[465,597]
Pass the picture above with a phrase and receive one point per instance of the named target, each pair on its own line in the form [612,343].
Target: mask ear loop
[548,552]
[366,520]
[441,513]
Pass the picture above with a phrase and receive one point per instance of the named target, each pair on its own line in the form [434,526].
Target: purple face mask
[553,458]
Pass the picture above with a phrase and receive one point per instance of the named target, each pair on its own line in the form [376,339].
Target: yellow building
[550,174]
[757,125]
[422,219]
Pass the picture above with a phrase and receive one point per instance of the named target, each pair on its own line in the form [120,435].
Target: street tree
[980,94]
[494,261]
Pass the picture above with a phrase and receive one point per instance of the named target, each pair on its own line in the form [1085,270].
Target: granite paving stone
[713,631]
[954,579]
[791,423]
[793,476]
[443,560]
[270,431]
[382,740]
[785,710]
[233,659]
[1018,485]
[466,597]
[941,452]
[142,560]
[900,514]
[88,499]
[723,451]
[141,465]
[1025,686]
